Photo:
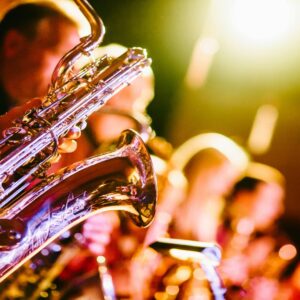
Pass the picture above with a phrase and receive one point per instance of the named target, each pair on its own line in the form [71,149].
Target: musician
[250,235]
[209,169]
[205,169]
[33,38]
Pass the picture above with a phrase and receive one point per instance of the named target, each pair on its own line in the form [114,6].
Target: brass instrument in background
[175,278]
[33,216]
[176,182]
[193,266]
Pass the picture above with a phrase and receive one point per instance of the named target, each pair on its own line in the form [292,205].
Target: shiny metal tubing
[120,180]
[88,44]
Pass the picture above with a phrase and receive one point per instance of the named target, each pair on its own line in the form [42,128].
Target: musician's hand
[97,231]
[67,144]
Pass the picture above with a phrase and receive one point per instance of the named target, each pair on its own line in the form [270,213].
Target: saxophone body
[33,215]
[44,270]
[120,180]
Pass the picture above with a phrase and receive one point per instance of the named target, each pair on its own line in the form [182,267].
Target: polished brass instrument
[195,263]
[44,270]
[31,217]
[121,180]
[159,149]
[31,142]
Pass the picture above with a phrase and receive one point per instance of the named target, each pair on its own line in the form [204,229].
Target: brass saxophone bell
[120,180]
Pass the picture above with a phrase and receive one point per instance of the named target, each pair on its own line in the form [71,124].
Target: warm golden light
[159,165]
[184,254]
[176,178]
[74,13]
[183,273]
[201,293]
[101,259]
[245,226]
[263,128]
[172,290]
[199,274]
[201,60]
[287,252]
[261,21]
[190,255]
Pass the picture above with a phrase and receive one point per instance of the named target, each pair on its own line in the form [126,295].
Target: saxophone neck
[87,44]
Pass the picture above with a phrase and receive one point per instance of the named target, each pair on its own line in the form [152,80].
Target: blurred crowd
[209,190]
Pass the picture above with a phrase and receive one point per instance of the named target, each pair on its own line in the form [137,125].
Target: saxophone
[32,217]
[31,142]
[41,274]
[119,180]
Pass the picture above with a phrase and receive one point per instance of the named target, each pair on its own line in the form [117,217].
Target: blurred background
[230,66]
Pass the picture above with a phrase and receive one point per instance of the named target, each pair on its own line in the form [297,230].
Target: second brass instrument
[191,257]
